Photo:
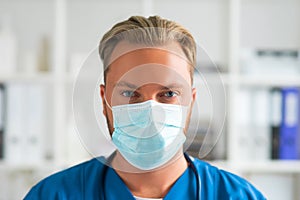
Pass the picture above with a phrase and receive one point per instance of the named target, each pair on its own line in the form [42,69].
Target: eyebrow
[126,84]
[173,85]
[132,86]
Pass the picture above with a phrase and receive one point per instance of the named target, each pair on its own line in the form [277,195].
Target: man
[147,99]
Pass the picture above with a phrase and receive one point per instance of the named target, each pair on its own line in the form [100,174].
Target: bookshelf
[253,25]
[32,77]
[227,29]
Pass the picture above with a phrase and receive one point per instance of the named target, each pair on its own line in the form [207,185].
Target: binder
[34,134]
[261,124]
[2,113]
[14,136]
[245,136]
[290,126]
[276,114]
[26,123]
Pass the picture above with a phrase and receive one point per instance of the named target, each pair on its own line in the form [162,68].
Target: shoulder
[222,184]
[68,184]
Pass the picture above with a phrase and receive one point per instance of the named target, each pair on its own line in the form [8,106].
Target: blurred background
[254,43]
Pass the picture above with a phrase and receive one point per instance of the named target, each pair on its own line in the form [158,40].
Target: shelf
[24,77]
[223,78]
[272,166]
[48,78]
[269,80]
[4,166]
[255,80]
[39,166]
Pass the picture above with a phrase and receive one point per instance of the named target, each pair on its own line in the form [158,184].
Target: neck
[150,184]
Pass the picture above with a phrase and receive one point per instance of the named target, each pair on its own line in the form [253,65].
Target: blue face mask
[149,134]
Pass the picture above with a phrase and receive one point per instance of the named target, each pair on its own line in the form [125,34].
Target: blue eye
[170,94]
[128,93]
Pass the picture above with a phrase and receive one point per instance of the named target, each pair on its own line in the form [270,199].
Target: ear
[194,95]
[102,94]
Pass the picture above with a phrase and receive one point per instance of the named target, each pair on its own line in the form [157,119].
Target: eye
[171,94]
[128,93]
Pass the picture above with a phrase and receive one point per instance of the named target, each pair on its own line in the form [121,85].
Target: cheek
[109,115]
[109,120]
[188,118]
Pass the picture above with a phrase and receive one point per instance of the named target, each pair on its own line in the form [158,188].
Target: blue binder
[2,113]
[289,147]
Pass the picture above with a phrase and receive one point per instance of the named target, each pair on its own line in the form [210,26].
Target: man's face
[159,74]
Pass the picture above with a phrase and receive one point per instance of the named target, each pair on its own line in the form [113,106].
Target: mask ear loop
[106,102]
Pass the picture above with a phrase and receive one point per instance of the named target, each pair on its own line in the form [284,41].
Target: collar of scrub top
[186,186]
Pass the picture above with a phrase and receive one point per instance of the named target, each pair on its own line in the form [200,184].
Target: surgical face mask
[149,134]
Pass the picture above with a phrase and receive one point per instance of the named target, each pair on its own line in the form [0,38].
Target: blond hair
[152,31]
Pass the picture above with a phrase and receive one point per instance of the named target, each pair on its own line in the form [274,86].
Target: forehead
[136,63]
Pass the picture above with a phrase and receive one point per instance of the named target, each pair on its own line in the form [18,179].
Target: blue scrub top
[94,180]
